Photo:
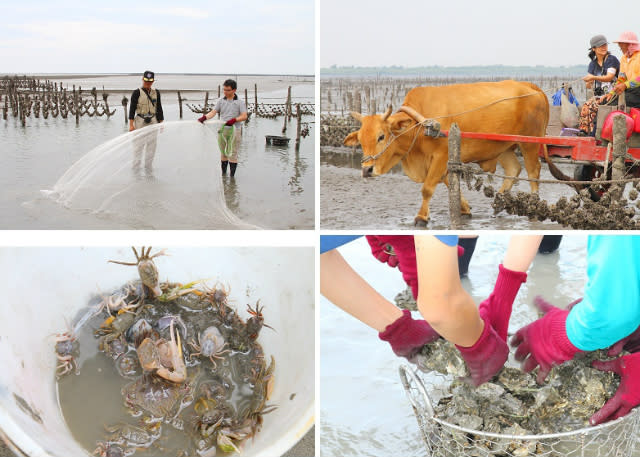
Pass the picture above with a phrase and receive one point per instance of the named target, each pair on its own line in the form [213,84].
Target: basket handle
[414,387]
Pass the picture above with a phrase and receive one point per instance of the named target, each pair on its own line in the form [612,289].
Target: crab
[115,302]
[146,268]
[66,346]
[113,327]
[165,357]
[256,321]
[108,450]
[210,344]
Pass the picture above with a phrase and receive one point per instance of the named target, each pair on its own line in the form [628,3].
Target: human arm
[345,288]
[610,308]
[133,106]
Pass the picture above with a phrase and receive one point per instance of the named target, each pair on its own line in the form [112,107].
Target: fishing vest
[144,104]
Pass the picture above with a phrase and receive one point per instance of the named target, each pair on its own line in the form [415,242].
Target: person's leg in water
[549,244]
[233,159]
[469,245]
[223,164]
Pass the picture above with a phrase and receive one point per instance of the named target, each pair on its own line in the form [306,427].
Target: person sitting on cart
[608,314]
[628,81]
[603,70]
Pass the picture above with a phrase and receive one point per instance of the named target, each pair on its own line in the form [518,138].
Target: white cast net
[163,176]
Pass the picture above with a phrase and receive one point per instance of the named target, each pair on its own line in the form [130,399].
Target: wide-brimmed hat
[147,76]
[628,37]
[598,40]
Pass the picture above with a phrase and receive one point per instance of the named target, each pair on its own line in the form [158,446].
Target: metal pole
[180,103]
[255,94]
[454,176]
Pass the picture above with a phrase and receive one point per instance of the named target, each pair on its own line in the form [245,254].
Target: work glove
[231,121]
[486,357]
[631,344]
[382,251]
[202,118]
[544,342]
[628,394]
[403,247]
[497,308]
[407,335]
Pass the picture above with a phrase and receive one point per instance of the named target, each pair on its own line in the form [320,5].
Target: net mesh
[161,176]
[443,439]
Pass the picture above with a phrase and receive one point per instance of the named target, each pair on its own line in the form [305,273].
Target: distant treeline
[470,71]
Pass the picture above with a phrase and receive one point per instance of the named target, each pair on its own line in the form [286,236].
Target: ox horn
[419,118]
[357,116]
[387,113]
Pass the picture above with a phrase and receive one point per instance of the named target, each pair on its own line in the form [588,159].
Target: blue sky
[241,36]
[469,32]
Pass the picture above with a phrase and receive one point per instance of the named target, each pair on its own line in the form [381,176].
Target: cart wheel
[589,173]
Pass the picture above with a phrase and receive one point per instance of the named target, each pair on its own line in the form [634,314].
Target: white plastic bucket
[43,286]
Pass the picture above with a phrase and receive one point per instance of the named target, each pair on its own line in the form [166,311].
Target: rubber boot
[224,166]
[549,244]
[233,168]
[469,245]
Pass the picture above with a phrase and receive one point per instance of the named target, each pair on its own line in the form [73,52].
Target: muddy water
[273,187]
[392,201]
[98,391]
[364,409]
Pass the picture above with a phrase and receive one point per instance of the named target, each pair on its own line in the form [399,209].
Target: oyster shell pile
[572,393]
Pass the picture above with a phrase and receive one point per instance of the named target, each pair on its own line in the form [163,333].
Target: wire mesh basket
[443,439]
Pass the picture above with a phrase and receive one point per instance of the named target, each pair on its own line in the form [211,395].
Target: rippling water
[273,188]
[364,409]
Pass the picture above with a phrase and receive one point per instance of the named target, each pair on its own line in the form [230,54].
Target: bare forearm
[521,252]
[346,289]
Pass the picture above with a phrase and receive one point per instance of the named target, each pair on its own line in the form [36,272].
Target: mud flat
[392,201]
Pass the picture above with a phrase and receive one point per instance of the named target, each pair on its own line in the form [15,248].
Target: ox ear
[357,116]
[351,139]
[402,123]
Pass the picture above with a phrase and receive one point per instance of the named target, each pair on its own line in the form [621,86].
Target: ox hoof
[420,222]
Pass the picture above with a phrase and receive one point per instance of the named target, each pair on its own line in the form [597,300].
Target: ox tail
[557,173]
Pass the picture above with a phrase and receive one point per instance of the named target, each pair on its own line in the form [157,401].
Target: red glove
[382,251]
[230,121]
[202,118]
[407,335]
[628,394]
[630,344]
[544,341]
[497,308]
[486,357]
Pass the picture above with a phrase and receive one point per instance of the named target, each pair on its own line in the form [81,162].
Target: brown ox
[507,107]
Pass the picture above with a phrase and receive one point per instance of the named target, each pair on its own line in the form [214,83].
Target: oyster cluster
[572,393]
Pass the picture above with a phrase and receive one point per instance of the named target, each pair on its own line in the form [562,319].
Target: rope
[464,168]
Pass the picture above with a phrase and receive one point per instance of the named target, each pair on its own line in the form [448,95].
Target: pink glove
[405,251]
[631,344]
[544,341]
[628,394]
[407,335]
[230,121]
[486,357]
[382,251]
[497,308]
[202,118]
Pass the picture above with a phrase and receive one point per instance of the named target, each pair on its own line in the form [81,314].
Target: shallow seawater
[364,409]
[273,187]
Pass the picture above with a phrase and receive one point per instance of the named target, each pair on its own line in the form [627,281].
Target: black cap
[147,76]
